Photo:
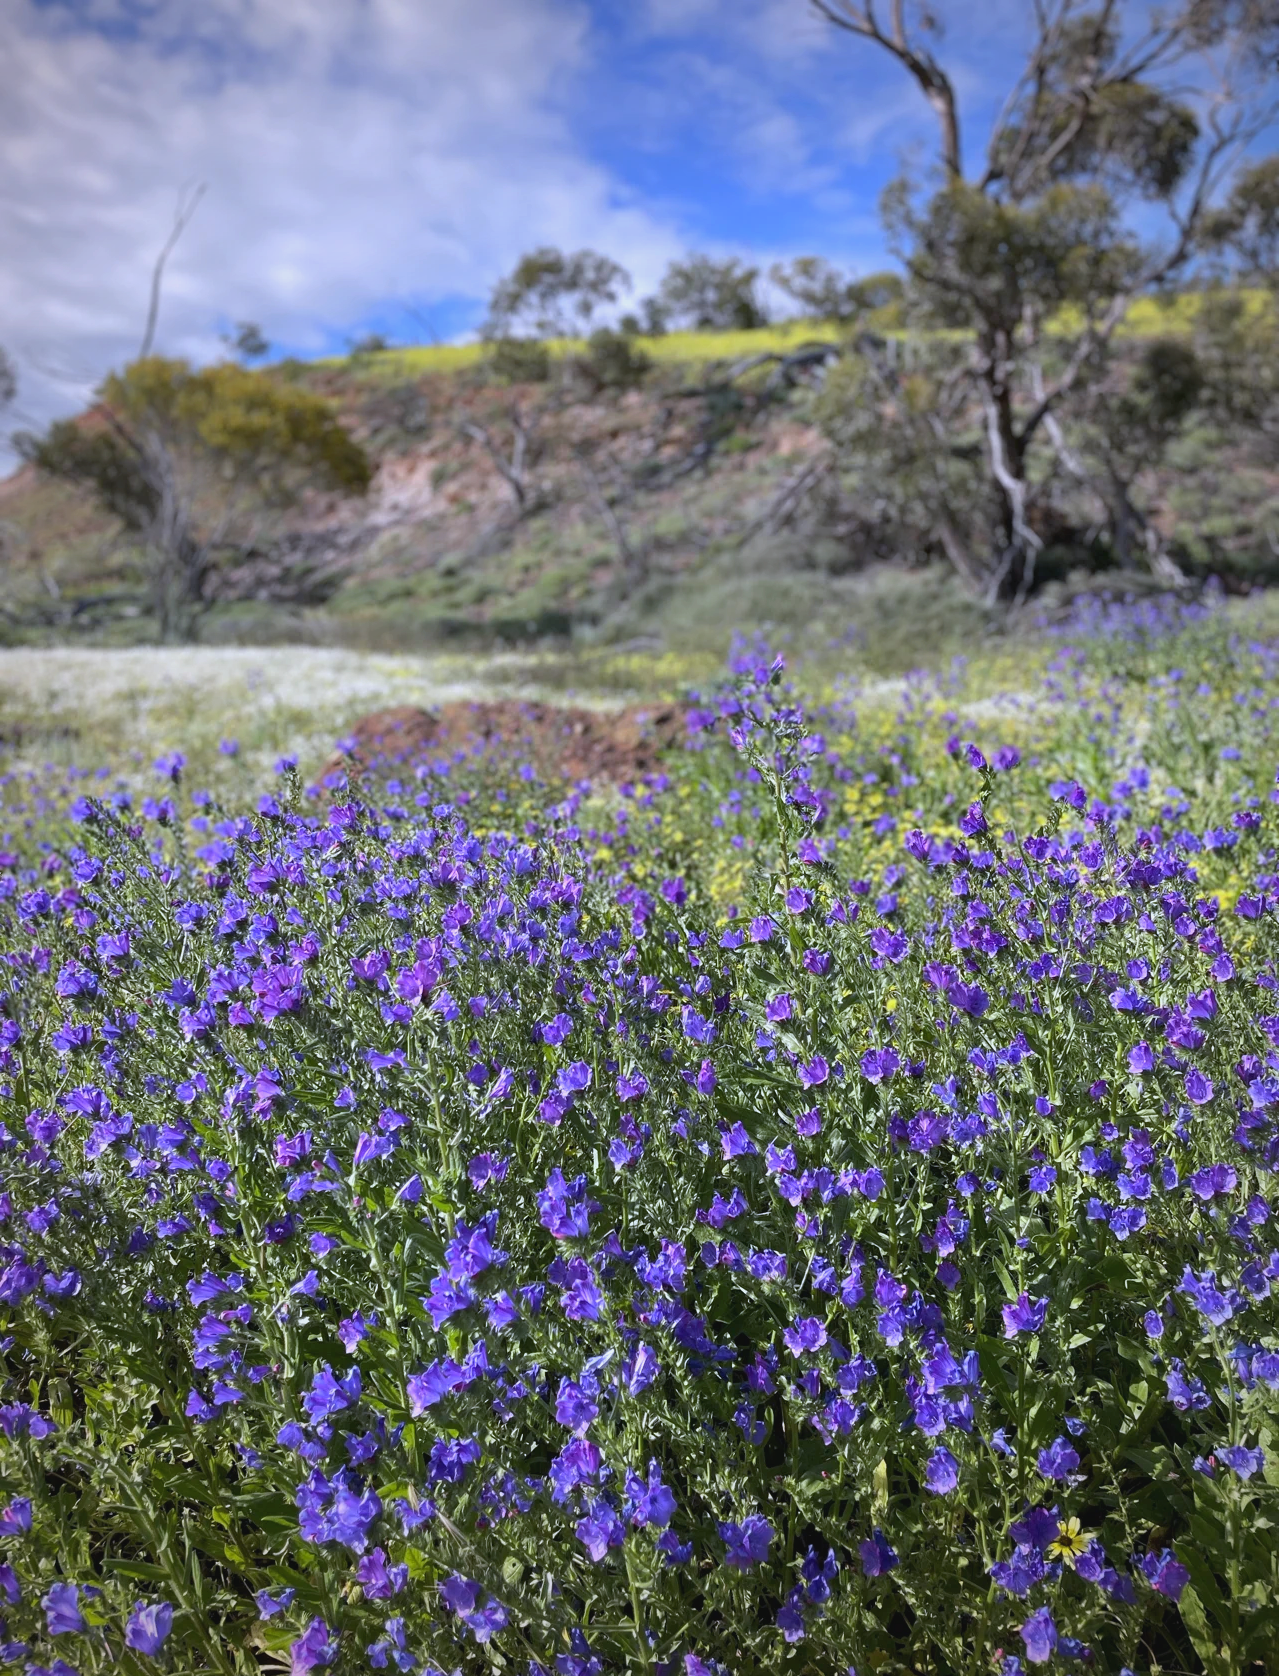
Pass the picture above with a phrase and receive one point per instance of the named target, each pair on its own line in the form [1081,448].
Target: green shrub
[613,361]
[520,360]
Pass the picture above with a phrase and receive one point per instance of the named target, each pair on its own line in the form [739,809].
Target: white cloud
[774,29]
[716,101]
[354,151]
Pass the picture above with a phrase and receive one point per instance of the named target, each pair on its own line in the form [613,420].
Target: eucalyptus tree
[1032,250]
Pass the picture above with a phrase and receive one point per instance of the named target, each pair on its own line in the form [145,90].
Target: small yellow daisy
[1069,1542]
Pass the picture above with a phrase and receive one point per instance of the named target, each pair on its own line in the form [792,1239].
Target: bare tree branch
[932,80]
[632,563]
[956,550]
[1024,538]
[8,380]
[188,202]
[1073,464]
[788,499]
[512,468]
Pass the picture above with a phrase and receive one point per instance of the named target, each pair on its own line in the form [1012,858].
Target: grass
[1146,317]
[123,707]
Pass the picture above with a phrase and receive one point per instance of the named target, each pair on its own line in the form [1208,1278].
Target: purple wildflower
[62,1610]
[941,1474]
[1039,1633]
[316,1646]
[1244,1461]
[149,1627]
[806,1337]
[1025,1315]
[877,1557]
[1165,1573]
[1059,1460]
[747,1543]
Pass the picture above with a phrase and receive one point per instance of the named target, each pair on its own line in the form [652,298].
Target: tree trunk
[1125,520]
[178,559]
[1135,537]
[1006,451]
[961,559]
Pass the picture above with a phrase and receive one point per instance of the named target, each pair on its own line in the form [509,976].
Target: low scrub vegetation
[811,1209]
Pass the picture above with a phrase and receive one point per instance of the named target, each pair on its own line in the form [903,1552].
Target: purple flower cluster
[543,1256]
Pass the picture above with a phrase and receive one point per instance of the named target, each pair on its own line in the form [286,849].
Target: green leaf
[138,1569]
[1200,1631]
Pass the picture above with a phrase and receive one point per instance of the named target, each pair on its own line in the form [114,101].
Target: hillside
[667,514]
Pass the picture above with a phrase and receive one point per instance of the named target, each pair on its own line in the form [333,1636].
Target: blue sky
[376,164]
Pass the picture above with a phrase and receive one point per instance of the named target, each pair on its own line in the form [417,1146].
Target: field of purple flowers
[812,1211]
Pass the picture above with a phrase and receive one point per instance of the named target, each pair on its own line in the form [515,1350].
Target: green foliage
[276,435]
[249,342]
[1102,102]
[1248,223]
[553,293]
[825,293]
[711,296]
[1161,393]
[1238,349]
[999,266]
[1167,383]
[93,456]
[1126,432]
[520,360]
[1139,137]
[650,322]
[1130,132]
[613,361]
[279,435]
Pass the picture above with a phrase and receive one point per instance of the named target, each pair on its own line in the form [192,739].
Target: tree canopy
[553,294]
[178,455]
[1248,222]
[825,293]
[1119,110]
[711,296]
[274,435]
[248,341]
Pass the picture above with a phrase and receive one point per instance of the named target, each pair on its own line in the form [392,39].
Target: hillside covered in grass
[661,492]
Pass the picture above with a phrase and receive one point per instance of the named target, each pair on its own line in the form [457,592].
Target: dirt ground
[560,742]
